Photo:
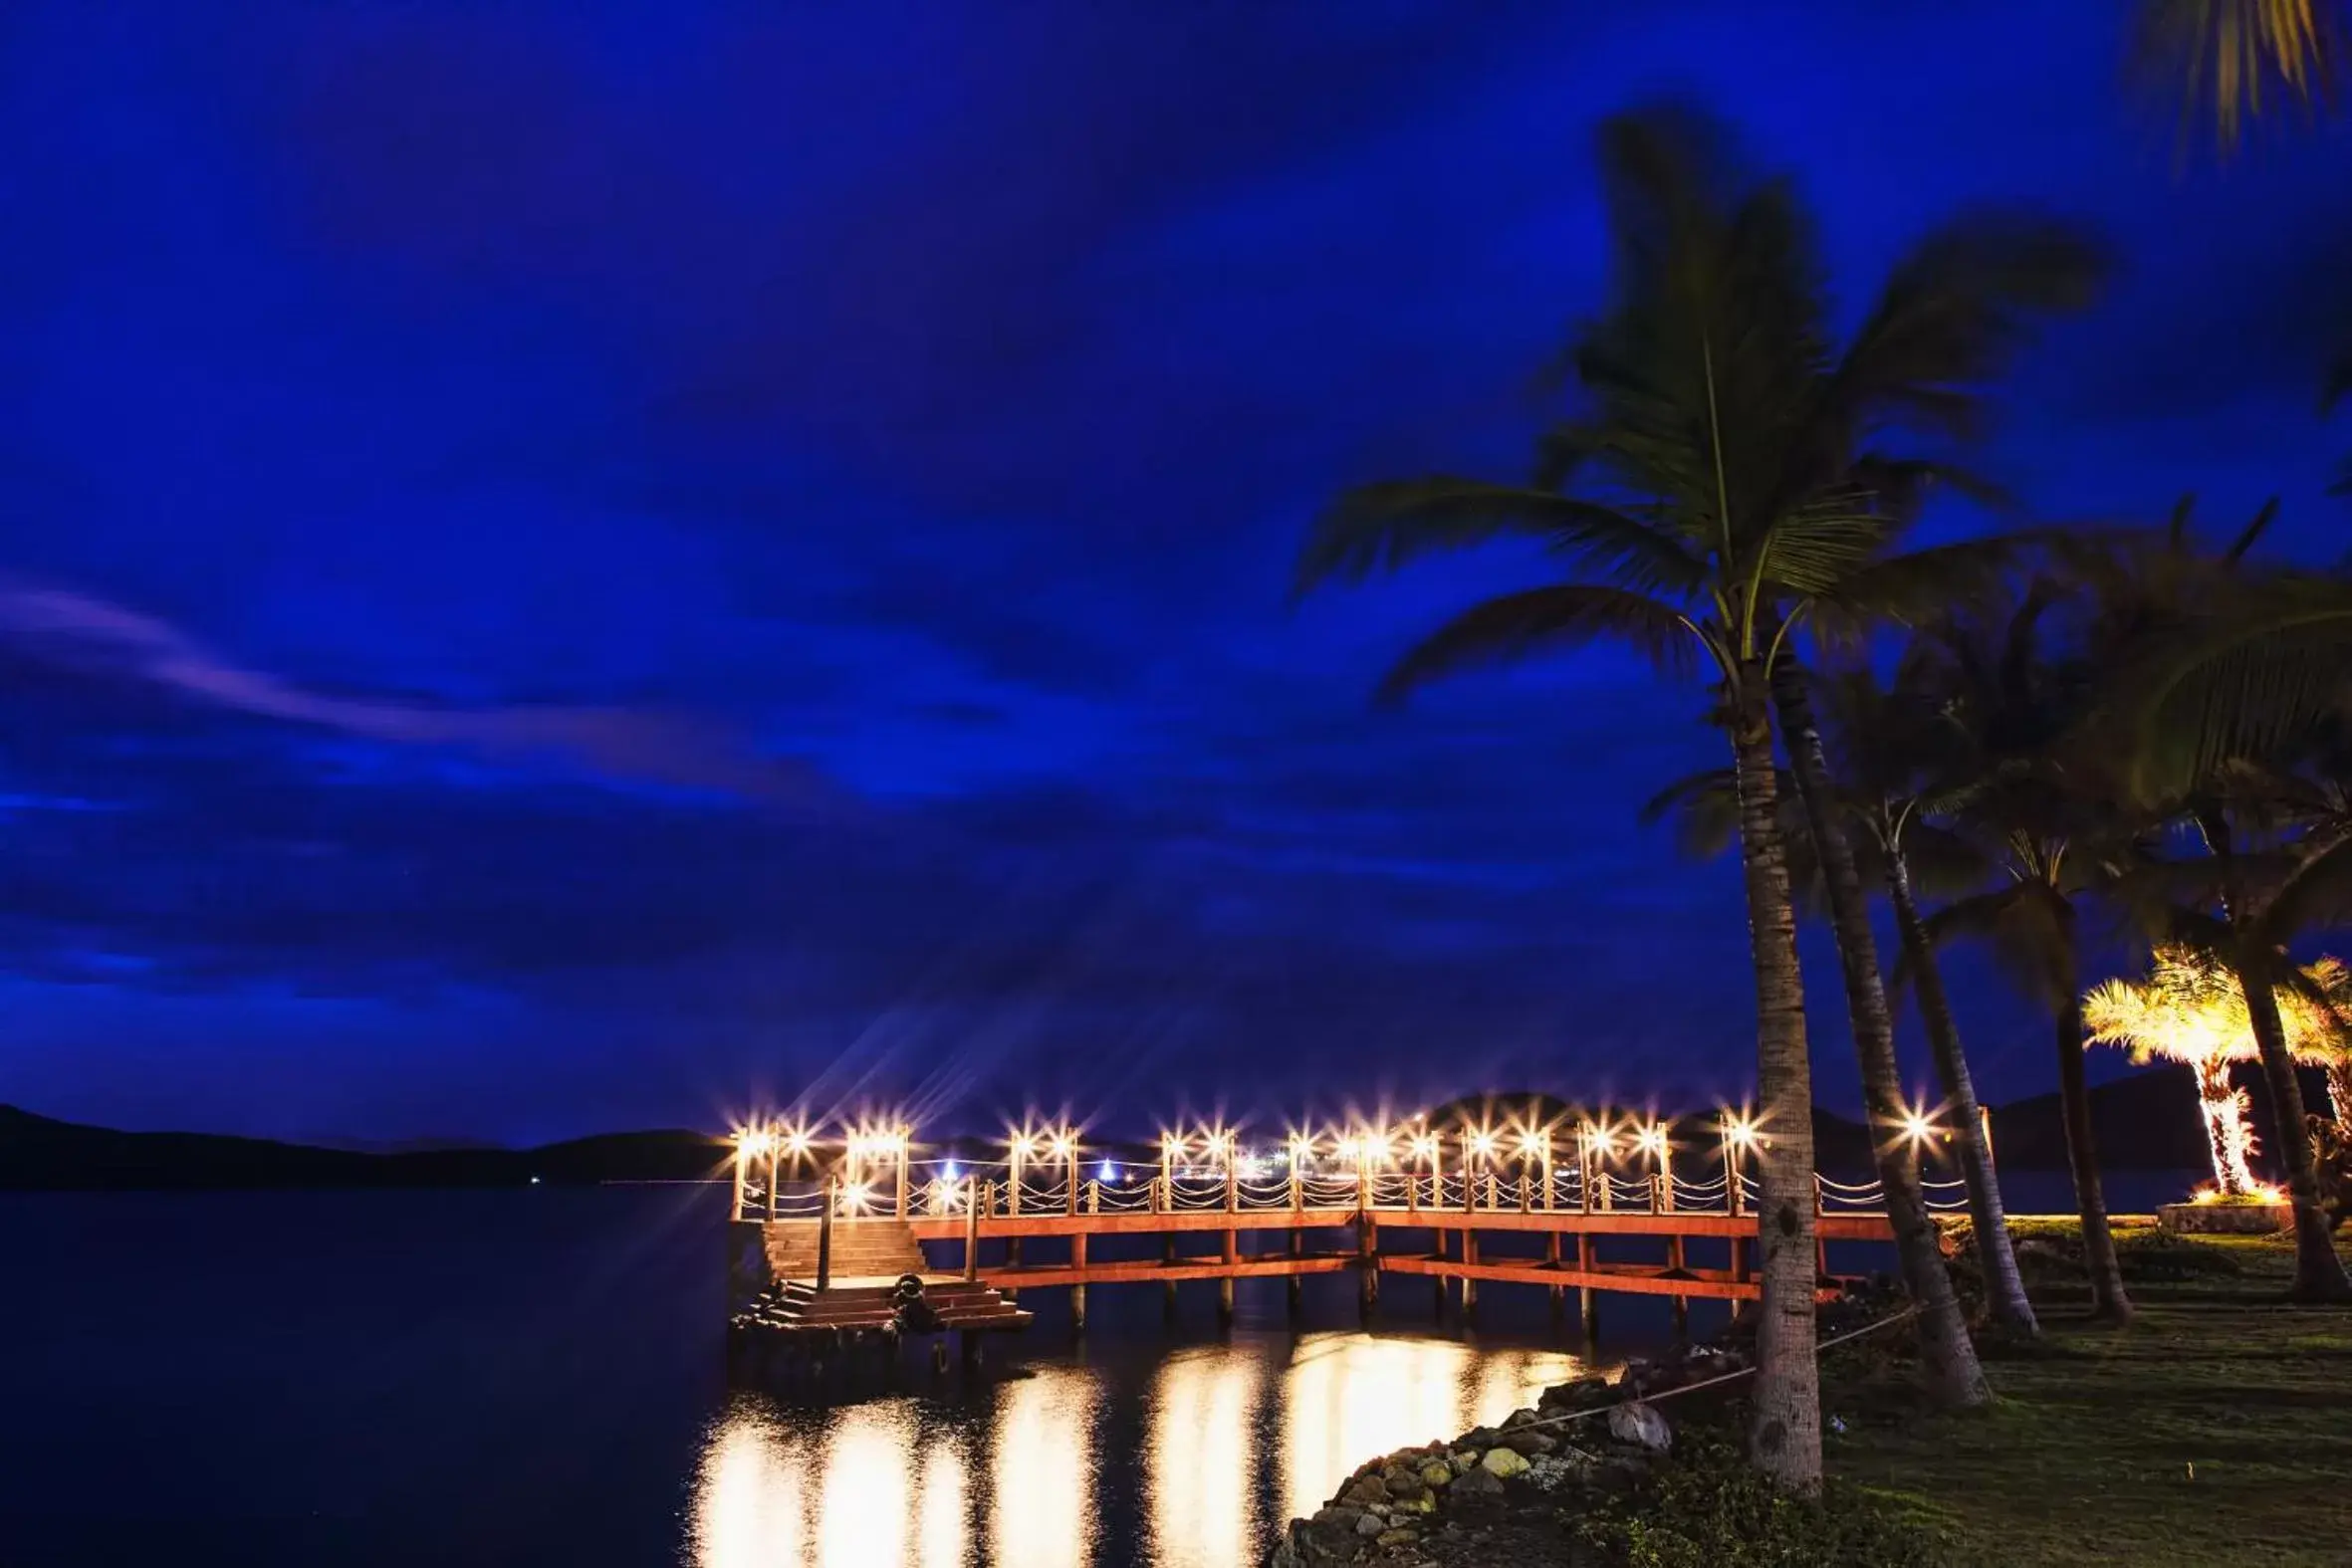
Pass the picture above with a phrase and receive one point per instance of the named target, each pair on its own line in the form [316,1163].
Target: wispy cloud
[96,636]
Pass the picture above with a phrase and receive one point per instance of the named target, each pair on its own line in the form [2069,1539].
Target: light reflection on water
[1192,1466]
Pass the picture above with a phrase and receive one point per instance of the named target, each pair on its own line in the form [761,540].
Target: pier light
[1529,1143]
[1652,1141]
[1738,1132]
[1171,1146]
[754,1141]
[1301,1148]
[1424,1148]
[1024,1146]
[796,1141]
[853,1197]
[1063,1146]
[1482,1143]
[1917,1128]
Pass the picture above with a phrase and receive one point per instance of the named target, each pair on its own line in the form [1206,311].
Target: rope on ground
[1903,1316]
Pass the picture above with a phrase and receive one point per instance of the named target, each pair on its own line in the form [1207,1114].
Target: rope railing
[942,1188]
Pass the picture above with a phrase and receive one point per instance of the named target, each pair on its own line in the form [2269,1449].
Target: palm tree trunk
[1785,1432]
[1948,1359]
[2225,1128]
[2108,1300]
[2004,1287]
[2319,1273]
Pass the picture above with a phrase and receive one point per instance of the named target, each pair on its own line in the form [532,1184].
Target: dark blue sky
[565,573]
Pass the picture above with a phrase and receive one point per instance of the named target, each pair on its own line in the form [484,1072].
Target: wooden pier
[828,1254]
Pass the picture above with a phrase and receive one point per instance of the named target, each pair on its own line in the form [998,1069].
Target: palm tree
[2194,1012]
[1882,742]
[2046,819]
[1895,742]
[2231,706]
[1716,487]
[2240,59]
[2276,864]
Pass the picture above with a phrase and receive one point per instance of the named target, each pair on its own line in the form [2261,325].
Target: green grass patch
[2216,1429]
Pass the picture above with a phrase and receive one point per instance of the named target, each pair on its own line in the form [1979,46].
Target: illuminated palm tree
[2193,1011]
[2232,701]
[1721,484]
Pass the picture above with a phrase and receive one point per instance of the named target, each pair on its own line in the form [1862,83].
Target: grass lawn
[2216,1428]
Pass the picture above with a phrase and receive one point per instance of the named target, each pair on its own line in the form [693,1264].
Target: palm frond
[1944,863]
[1380,527]
[2253,531]
[1919,586]
[2017,925]
[2247,684]
[1705,809]
[2240,59]
[1550,619]
[2315,895]
[1956,309]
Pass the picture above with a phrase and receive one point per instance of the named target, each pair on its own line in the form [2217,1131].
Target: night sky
[565,573]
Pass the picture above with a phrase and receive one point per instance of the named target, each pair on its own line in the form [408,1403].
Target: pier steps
[862,1249]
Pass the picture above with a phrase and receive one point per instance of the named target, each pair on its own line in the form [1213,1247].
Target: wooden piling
[972,1231]
[825,1237]
[1590,1297]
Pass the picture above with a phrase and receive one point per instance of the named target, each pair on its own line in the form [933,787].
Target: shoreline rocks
[1437,1504]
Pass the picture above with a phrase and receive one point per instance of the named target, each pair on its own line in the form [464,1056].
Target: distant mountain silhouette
[2147,1121]
[37,1152]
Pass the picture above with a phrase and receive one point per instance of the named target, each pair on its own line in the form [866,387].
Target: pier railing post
[1232,1191]
[972,1231]
[825,1237]
[1074,1180]
[1821,1241]
[1524,1204]
[1093,1198]
[1298,1187]
[901,1176]
[771,1178]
